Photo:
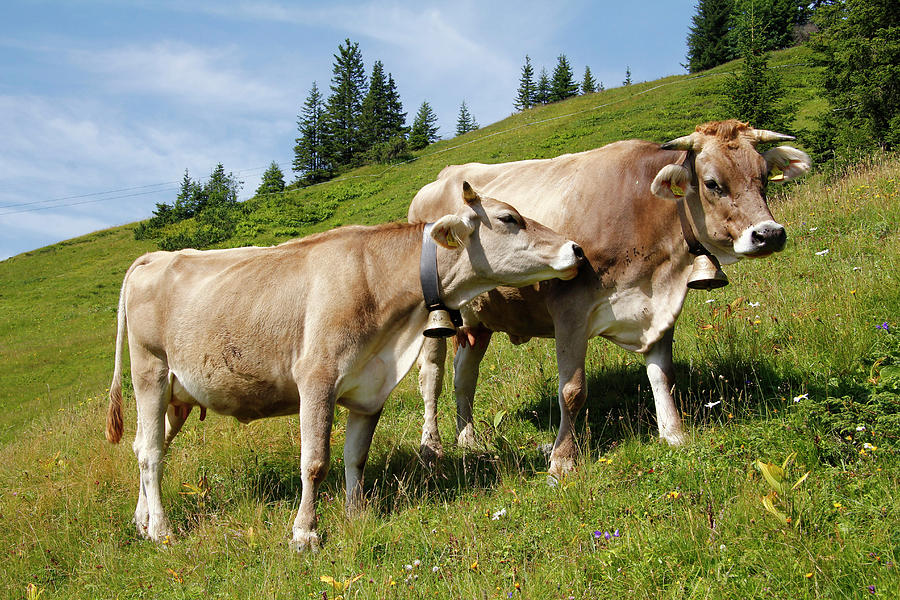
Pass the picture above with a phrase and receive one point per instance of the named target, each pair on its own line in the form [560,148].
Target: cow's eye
[712,186]
[509,219]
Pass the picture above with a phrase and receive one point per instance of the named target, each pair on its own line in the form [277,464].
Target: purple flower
[884,326]
[871,589]
[598,535]
[616,533]
[606,535]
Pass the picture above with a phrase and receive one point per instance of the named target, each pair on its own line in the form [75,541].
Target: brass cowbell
[706,274]
[439,325]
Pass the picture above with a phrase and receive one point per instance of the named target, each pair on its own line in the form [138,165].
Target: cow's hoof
[560,467]
[677,438]
[160,533]
[307,541]
[431,453]
[466,438]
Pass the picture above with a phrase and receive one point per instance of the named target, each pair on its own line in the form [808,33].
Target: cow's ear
[786,162]
[451,231]
[470,196]
[671,182]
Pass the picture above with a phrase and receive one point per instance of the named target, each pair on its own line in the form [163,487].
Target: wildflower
[811,229]
[675,495]
[860,427]
[598,534]
[722,547]
[616,533]
[753,304]
[809,575]
[711,300]
[857,268]
[408,567]
[871,589]
[500,513]
[838,505]
[417,562]
[607,536]
[884,326]
[822,252]
[474,565]
[868,446]
[435,569]
[712,404]
[801,397]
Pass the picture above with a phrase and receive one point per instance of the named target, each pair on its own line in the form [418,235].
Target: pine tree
[525,98]
[542,94]
[774,21]
[755,93]
[424,128]
[859,48]
[220,189]
[373,122]
[396,118]
[272,181]
[709,40]
[588,83]
[344,106]
[627,76]
[563,85]
[311,162]
[186,201]
[465,122]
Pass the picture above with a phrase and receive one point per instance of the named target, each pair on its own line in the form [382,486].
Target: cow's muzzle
[761,240]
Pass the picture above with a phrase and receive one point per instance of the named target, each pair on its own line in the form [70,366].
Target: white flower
[822,252]
[861,428]
[857,268]
[435,569]
[711,404]
[408,567]
[710,300]
[753,304]
[811,229]
[868,446]
[801,397]
[417,562]
[500,513]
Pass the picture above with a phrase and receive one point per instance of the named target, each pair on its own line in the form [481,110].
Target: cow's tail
[114,422]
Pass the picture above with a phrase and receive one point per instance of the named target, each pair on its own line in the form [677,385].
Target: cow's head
[503,247]
[723,181]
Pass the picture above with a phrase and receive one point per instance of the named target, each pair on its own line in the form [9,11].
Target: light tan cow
[619,203]
[333,318]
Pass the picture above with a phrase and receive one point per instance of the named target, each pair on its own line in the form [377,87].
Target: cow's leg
[360,429]
[316,417]
[571,349]
[473,345]
[661,373]
[432,360]
[152,389]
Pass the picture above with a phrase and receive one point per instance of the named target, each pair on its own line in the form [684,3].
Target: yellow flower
[838,505]
[809,575]
[474,565]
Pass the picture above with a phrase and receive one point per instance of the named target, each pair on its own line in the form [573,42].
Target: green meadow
[788,380]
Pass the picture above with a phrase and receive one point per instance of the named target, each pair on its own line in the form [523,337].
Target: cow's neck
[459,283]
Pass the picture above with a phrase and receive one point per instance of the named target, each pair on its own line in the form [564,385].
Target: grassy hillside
[793,359]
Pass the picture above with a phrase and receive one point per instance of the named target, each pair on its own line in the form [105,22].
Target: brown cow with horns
[620,203]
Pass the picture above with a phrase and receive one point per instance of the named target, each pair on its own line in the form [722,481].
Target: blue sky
[104,104]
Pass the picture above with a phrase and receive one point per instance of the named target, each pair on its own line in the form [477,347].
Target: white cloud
[180,72]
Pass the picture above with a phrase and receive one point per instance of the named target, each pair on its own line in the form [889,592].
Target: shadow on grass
[620,401]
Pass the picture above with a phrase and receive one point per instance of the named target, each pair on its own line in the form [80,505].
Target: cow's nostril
[579,253]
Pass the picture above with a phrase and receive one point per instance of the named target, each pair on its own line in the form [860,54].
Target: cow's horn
[685,142]
[764,135]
